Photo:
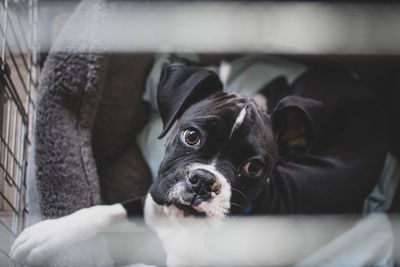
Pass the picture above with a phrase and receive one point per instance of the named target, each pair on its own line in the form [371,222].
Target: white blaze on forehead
[239,120]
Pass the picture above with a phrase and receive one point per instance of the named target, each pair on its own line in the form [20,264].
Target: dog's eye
[253,167]
[191,137]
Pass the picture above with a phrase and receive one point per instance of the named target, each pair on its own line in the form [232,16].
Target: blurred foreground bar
[309,28]
[261,241]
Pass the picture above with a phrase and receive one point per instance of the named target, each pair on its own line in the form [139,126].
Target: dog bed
[89,110]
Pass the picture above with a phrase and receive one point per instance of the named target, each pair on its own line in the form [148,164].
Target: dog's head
[221,152]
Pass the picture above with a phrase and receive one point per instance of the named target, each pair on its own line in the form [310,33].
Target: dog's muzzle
[201,184]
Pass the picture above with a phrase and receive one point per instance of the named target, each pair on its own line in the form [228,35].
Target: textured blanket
[89,110]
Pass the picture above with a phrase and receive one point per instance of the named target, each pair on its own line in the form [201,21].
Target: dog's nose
[203,183]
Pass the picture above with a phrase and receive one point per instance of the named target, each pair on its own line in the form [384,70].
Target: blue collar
[248,209]
[250,206]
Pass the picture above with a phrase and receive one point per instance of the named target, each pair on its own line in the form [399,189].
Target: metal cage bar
[18,84]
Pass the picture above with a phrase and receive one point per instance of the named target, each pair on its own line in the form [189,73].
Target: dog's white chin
[173,211]
[212,210]
[156,214]
[207,209]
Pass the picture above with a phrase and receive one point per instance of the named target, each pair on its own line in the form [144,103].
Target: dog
[315,146]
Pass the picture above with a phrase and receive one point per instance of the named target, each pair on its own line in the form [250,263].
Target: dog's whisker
[237,205]
[241,193]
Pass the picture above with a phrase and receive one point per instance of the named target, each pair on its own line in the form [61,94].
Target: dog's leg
[42,240]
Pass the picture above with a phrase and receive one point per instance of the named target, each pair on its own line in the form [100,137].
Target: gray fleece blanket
[89,110]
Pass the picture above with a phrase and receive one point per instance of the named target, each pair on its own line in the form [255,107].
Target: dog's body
[316,147]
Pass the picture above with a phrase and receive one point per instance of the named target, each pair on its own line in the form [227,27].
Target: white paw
[39,242]
[36,243]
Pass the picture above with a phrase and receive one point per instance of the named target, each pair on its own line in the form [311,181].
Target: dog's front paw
[39,242]
[36,243]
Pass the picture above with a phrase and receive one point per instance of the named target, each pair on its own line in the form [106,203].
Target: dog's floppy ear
[295,121]
[180,87]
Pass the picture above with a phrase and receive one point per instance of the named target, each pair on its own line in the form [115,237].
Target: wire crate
[18,85]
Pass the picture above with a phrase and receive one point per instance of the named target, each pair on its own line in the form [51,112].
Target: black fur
[179,87]
[254,139]
[344,128]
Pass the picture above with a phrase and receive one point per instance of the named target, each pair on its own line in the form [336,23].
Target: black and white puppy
[220,154]
[313,151]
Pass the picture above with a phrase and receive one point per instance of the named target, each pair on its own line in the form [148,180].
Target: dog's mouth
[189,210]
[181,202]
